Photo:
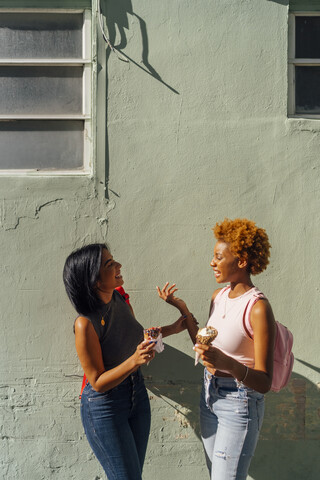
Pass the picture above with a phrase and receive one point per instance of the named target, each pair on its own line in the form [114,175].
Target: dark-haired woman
[115,408]
[238,368]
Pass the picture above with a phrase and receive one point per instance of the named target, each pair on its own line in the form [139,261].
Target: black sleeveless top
[118,331]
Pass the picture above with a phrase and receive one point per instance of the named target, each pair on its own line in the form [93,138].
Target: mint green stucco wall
[195,129]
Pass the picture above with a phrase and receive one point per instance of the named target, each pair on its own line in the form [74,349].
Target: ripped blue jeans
[231,416]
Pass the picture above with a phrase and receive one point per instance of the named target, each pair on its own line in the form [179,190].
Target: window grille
[304,65]
[45,91]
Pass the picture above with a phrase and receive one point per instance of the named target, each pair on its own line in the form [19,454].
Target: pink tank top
[227,317]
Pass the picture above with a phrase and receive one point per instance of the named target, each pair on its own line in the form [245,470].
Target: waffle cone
[208,338]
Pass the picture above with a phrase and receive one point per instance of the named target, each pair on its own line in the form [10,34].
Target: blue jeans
[231,416]
[117,425]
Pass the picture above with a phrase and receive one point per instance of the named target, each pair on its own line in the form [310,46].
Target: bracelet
[245,375]
[192,316]
[188,315]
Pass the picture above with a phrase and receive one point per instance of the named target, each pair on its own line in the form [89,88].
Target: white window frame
[87,114]
[293,62]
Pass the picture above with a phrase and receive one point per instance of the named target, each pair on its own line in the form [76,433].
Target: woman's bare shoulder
[262,314]
[262,307]
[82,325]
[215,293]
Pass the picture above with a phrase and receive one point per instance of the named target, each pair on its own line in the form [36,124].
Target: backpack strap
[247,312]
[124,294]
[84,383]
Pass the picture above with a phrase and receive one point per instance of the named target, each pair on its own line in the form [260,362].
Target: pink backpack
[283,357]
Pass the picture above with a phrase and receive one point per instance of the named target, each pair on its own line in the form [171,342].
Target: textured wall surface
[192,129]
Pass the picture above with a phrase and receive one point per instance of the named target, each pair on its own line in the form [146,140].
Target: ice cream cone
[205,336]
[151,333]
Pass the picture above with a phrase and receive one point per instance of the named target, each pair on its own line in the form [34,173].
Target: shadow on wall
[290,438]
[116,13]
[174,377]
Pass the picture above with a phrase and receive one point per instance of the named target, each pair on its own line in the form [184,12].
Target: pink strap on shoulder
[247,312]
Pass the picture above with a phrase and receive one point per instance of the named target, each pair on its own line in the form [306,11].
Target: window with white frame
[45,91]
[304,65]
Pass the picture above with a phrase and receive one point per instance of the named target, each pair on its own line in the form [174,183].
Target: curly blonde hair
[246,241]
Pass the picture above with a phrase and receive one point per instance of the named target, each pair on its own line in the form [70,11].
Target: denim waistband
[226,383]
[137,375]
[216,382]
[219,381]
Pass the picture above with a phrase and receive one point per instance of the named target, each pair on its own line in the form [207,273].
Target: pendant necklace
[226,312]
[106,314]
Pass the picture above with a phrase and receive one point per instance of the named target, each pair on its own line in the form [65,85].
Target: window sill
[305,116]
[4,118]
[46,173]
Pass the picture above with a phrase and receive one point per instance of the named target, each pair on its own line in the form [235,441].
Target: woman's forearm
[101,381]
[256,379]
[215,359]
[111,378]
[192,326]
[167,330]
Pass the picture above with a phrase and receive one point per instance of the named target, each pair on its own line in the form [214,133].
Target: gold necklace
[226,312]
[106,314]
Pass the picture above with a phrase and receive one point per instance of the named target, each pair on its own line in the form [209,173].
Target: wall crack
[16,223]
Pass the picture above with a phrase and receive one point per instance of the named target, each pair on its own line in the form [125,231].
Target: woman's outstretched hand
[167,294]
[144,353]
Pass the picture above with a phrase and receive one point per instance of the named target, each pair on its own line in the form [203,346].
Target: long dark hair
[80,276]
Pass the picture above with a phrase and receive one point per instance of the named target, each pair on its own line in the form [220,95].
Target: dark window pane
[41,35]
[307,37]
[40,90]
[41,144]
[307,89]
